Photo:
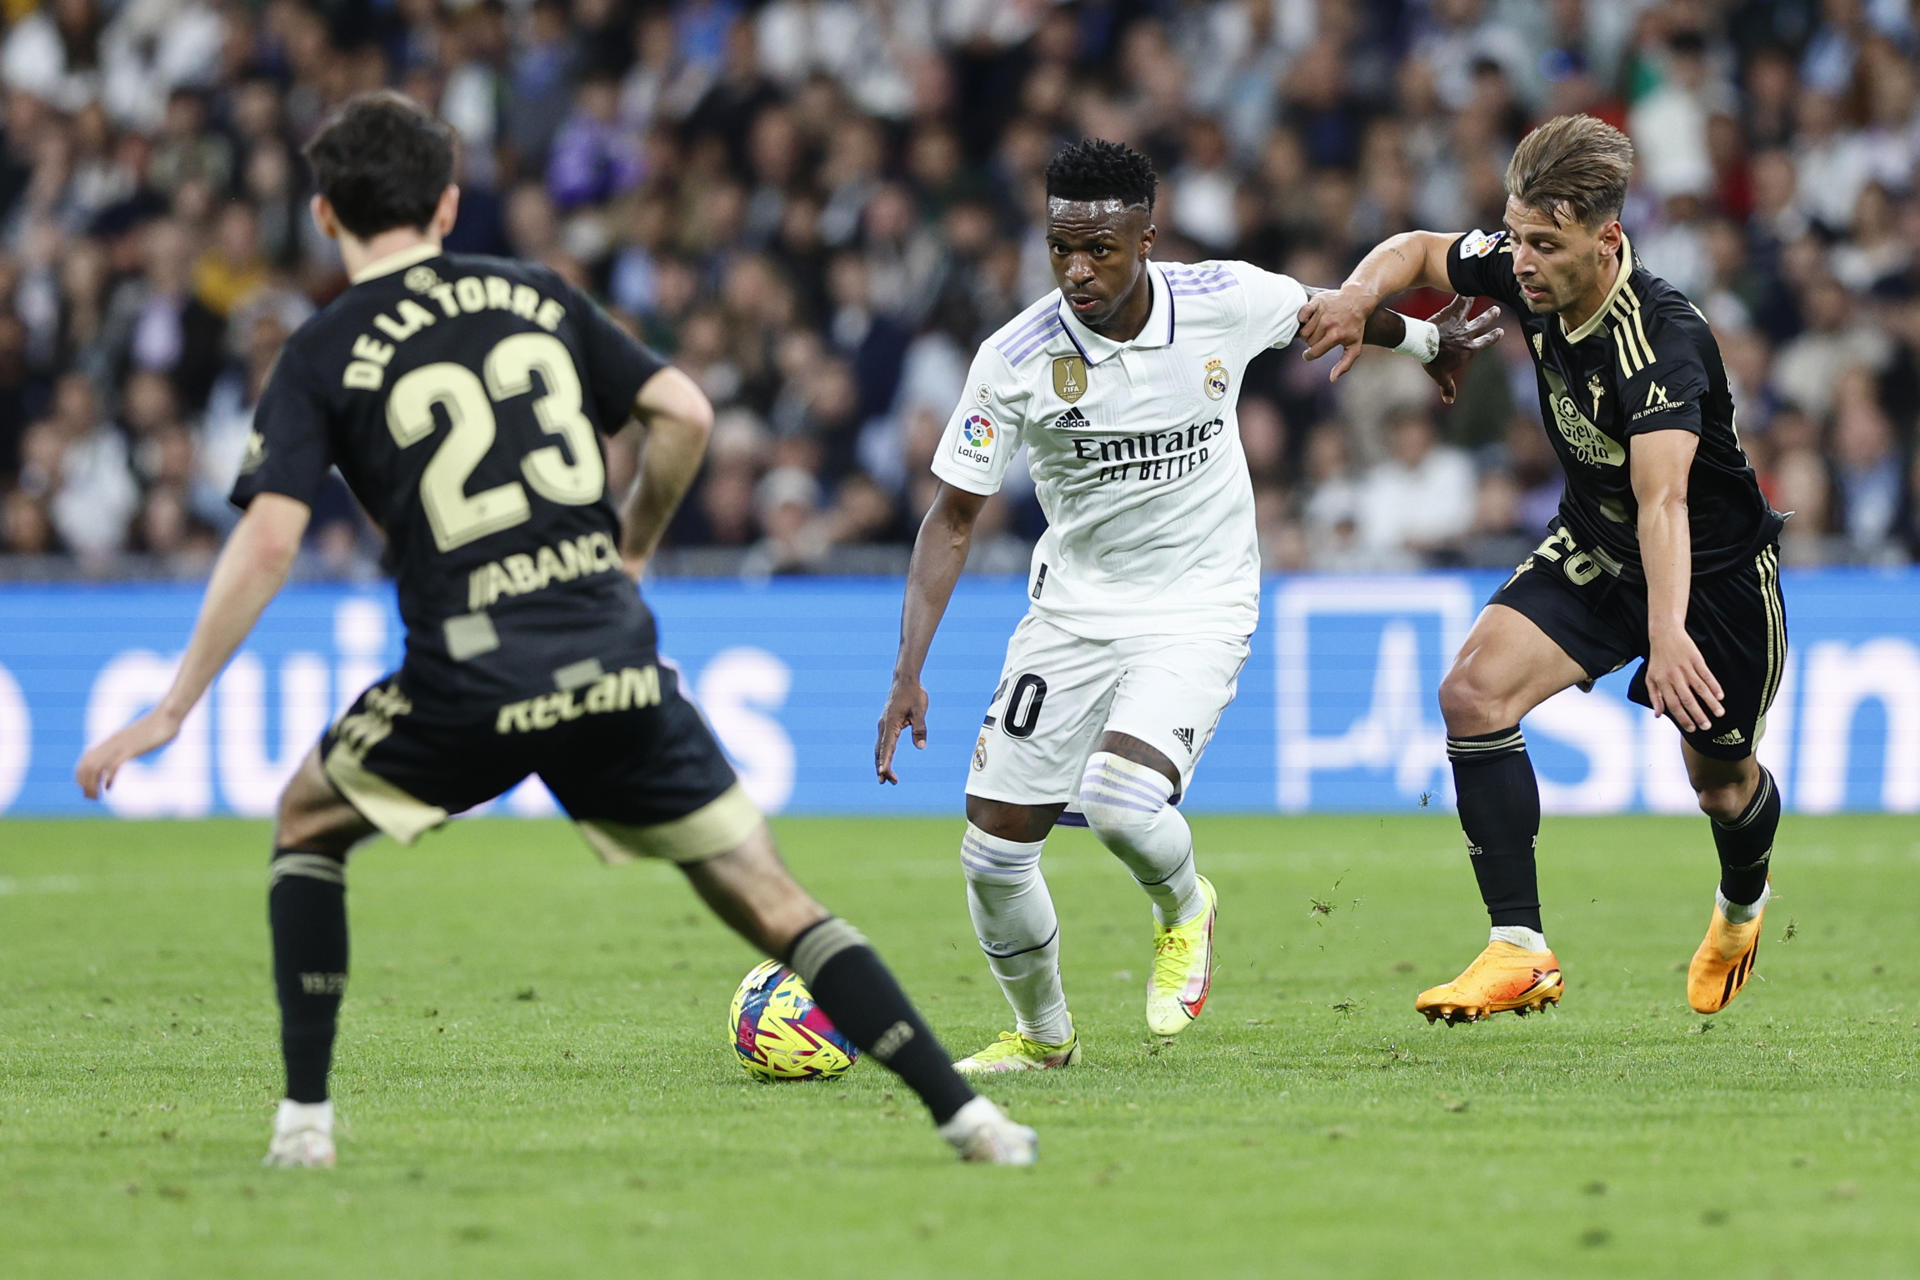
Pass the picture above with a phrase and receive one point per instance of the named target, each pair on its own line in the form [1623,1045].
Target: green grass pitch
[534,1077]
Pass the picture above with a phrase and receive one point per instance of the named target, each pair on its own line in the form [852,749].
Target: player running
[1664,550]
[1144,589]
[462,398]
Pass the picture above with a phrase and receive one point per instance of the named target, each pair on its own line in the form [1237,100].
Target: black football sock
[307,907]
[1746,844]
[1500,812]
[854,988]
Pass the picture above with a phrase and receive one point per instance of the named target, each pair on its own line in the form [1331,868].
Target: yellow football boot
[1016,1052]
[1182,968]
[1502,978]
[1724,961]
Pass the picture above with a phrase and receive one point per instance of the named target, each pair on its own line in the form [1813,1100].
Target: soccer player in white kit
[1144,589]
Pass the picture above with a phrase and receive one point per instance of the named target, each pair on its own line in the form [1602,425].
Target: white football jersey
[1134,449]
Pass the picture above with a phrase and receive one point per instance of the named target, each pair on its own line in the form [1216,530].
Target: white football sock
[1520,936]
[1014,920]
[1126,805]
[1741,912]
[294,1116]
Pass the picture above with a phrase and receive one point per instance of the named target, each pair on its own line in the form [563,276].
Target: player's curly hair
[1095,169]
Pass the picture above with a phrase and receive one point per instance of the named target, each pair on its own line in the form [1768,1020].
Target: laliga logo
[978,431]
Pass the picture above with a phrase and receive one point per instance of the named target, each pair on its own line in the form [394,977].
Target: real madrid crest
[1215,379]
[1069,377]
[980,751]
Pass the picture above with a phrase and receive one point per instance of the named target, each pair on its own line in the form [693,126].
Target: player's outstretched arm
[1443,345]
[1679,683]
[939,554]
[678,419]
[251,570]
[1412,259]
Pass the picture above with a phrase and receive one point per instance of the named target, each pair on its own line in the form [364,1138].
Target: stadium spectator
[1419,499]
[813,205]
[79,459]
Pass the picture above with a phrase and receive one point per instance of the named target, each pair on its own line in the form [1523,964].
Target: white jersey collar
[395,261]
[1156,332]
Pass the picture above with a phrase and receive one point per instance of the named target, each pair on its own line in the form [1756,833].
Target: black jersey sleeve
[1666,382]
[289,451]
[615,364]
[1480,265]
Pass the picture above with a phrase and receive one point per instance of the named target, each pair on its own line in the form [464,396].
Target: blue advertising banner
[1336,710]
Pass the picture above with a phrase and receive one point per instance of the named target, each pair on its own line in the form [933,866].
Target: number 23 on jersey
[573,476]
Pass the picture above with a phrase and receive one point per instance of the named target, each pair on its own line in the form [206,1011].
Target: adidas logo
[1186,738]
[1070,419]
[1731,738]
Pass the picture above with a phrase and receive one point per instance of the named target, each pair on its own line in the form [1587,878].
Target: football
[780,1034]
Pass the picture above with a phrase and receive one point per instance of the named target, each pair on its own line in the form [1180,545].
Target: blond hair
[1573,168]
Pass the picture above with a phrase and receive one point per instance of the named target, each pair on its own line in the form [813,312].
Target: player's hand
[636,567]
[1337,318]
[102,761]
[1679,684]
[906,705]
[1460,340]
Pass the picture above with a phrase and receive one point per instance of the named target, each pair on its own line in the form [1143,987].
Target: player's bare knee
[1022,823]
[299,823]
[1724,799]
[1469,707]
[1723,802]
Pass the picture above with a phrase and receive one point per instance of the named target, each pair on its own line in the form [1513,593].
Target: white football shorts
[1059,693]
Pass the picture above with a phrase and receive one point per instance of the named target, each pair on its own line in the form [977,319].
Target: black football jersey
[1646,361]
[463,399]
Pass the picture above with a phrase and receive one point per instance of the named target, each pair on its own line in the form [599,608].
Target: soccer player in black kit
[463,399]
[1664,550]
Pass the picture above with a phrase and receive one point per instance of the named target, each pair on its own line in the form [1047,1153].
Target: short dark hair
[1573,167]
[1095,169]
[382,162]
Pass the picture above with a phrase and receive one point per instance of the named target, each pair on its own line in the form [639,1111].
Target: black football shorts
[1736,616]
[629,758]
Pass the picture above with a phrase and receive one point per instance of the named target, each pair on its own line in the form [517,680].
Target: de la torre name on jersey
[1152,455]
[450,298]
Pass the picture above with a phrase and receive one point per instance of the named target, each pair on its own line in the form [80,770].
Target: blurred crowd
[818,208]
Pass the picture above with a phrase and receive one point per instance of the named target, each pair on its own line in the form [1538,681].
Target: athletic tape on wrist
[1422,340]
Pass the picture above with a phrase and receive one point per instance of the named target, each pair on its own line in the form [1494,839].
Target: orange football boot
[1724,961]
[1502,978]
